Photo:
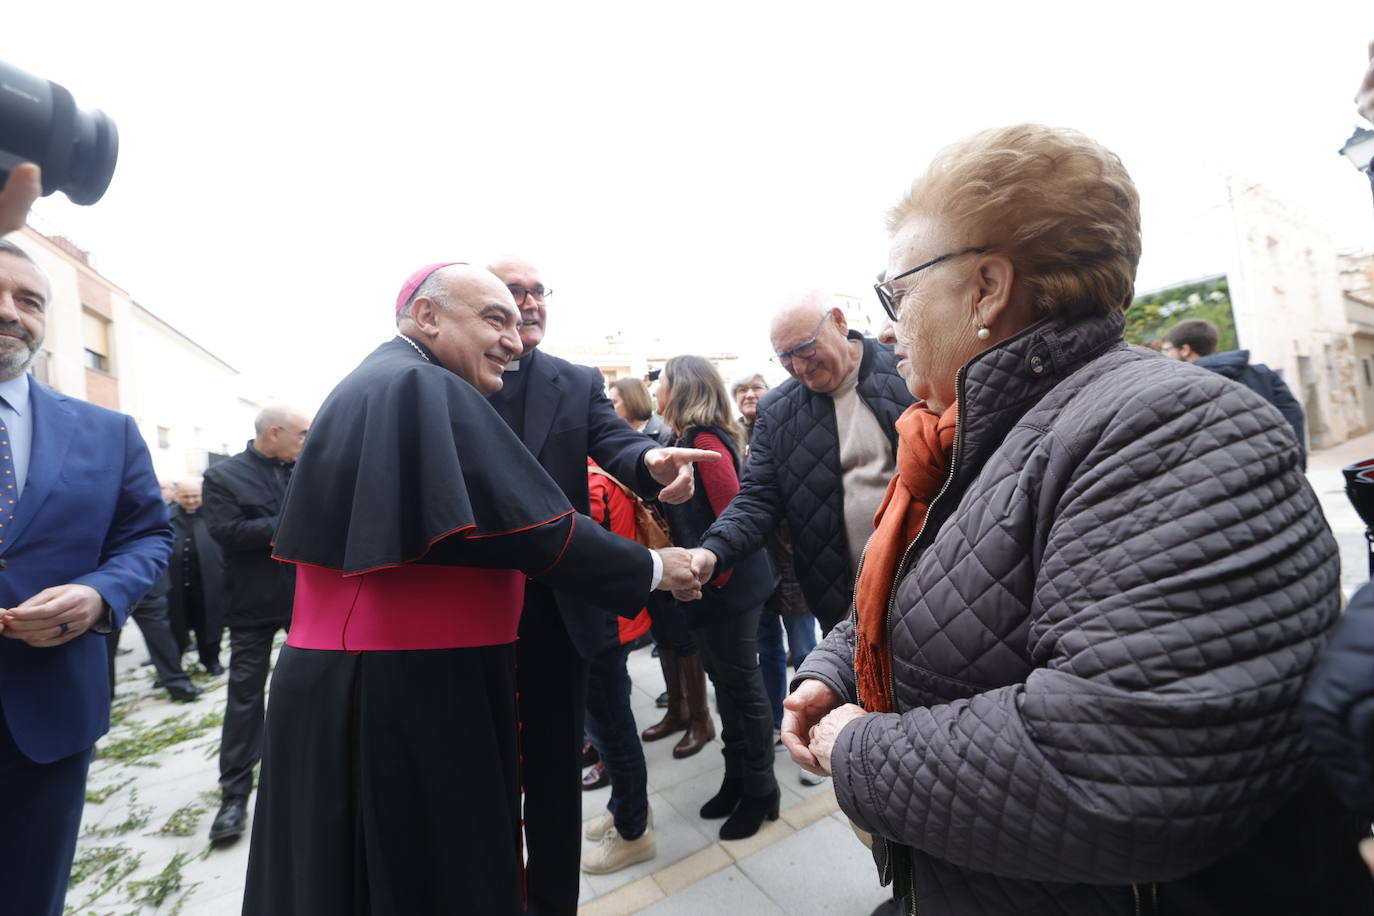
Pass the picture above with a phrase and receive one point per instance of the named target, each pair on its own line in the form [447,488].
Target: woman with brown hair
[724,622]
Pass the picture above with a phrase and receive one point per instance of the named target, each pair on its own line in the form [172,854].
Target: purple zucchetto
[415,280]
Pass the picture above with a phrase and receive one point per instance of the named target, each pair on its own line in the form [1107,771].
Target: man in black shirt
[243,498]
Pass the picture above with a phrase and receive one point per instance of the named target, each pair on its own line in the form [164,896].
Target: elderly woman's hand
[802,711]
[823,735]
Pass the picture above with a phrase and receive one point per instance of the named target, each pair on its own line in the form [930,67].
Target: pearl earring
[983,332]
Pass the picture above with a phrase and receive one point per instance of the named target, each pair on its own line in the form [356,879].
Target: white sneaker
[598,826]
[614,852]
[809,778]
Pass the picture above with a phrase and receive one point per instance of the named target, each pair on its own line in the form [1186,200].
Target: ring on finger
[62,629]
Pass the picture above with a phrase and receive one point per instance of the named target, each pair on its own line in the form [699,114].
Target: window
[164,437]
[1368,378]
[95,335]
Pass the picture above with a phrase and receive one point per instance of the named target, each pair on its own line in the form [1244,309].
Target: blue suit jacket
[91,513]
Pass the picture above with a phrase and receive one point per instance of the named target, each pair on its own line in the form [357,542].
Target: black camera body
[40,123]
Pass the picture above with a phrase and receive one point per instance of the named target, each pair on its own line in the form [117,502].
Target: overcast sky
[675,169]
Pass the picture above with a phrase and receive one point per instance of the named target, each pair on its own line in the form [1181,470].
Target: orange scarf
[924,442]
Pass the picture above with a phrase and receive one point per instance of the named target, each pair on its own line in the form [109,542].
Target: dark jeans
[611,726]
[729,650]
[240,748]
[668,624]
[801,638]
[551,678]
[40,814]
[773,662]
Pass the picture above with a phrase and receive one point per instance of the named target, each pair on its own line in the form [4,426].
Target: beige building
[103,347]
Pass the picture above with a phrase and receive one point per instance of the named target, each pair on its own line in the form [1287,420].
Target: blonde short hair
[1059,204]
[635,398]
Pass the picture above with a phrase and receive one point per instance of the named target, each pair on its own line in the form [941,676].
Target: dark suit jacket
[92,514]
[567,418]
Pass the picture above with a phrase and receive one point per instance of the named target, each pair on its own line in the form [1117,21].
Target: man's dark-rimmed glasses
[804,350]
[892,305]
[520,293]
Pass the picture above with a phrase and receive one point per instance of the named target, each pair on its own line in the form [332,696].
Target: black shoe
[229,823]
[213,668]
[184,694]
[750,814]
[724,801]
[662,701]
[887,908]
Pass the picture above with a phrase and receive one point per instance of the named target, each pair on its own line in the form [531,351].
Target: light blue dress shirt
[16,413]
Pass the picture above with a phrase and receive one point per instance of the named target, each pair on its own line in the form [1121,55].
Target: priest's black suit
[561,413]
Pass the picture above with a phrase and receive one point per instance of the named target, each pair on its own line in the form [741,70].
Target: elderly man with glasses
[561,413]
[820,456]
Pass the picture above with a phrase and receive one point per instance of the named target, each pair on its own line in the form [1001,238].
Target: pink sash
[416,606]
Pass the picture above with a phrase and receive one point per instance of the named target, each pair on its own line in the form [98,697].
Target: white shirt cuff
[658,569]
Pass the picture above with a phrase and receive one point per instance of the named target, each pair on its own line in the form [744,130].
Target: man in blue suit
[83,536]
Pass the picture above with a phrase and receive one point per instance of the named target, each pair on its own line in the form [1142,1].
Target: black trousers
[208,639]
[151,617]
[240,748]
[388,786]
[40,814]
[552,680]
[729,651]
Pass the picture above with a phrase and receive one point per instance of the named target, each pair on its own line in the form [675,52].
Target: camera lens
[39,122]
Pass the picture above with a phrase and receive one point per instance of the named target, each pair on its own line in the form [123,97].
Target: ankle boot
[676,718]
[724,801]
[749,815]
[700,728]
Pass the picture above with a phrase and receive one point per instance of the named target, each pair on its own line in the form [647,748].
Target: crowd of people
[1069,590]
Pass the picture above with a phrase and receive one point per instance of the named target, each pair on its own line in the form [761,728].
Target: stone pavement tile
[667,772]
[632,898]
[770,833]
[820,870]
[726,893]
[676,838]
[688,795]
[805,813]
[696,867]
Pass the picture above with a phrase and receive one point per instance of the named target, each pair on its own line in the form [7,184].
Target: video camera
[40,123]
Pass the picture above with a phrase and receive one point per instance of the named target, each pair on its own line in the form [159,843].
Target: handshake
[686,571]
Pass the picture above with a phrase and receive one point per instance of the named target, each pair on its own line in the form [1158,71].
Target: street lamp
[1359,149]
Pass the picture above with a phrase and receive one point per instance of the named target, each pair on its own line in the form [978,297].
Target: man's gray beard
[15,366]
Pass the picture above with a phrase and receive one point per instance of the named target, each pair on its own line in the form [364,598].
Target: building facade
[103,347]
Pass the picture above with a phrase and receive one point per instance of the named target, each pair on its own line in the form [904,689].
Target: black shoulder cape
[403,455]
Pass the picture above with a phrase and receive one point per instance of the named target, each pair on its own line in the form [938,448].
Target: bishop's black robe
[390,772]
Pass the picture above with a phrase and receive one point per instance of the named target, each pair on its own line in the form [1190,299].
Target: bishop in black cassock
[390,772]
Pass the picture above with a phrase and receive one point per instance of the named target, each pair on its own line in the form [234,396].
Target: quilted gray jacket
[1099,638]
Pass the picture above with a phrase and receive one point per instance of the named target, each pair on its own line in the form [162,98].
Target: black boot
[724,801]
[749,815]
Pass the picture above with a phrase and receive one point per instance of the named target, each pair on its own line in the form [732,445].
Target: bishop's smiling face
[474,332]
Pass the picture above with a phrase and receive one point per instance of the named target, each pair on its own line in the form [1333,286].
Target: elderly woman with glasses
[1070,680]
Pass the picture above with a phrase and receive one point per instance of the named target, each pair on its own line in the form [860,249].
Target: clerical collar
[422,350]
[513,366]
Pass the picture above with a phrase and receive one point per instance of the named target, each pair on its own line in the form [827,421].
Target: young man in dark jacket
[1195,341]
[243,497]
